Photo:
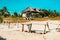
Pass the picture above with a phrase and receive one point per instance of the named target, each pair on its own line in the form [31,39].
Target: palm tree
[4,9]
[5,12]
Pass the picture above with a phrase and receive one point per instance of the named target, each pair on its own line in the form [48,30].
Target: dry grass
[13,20]
[42,19]
[21,21]
[36,19]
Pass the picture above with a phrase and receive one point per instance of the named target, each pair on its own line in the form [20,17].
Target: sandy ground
[15,33]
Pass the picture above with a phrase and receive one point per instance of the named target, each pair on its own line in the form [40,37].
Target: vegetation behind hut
[4,13]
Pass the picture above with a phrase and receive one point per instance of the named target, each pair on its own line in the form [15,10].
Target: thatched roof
[29,9]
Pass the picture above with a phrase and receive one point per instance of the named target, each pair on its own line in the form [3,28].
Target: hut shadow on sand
[38,31]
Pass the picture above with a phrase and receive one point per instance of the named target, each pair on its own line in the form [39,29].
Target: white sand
[15,33]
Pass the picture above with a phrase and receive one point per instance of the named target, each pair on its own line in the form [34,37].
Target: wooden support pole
[29,27]
[58,27]
[22,27]
[45,29]
[48,26]
[9,25]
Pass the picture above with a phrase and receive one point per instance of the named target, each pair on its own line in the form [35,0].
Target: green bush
[1,19]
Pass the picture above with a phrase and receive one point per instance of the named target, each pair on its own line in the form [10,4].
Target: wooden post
[58,26]
[29,27]
[48,26]
[9,24]
[22,27]
[45,29]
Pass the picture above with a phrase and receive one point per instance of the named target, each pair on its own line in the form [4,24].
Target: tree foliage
[15,14]
[1,19]
[46,13]
[4,12]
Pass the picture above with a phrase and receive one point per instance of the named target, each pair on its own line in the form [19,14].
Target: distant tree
[1,19]
[0,13]
[15,14]
[4,9]
[4,12]
[46,12]
[54,13]
[20,15]
[7,14]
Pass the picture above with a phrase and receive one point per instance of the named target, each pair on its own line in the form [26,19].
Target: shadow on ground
[1,38]
[38,31]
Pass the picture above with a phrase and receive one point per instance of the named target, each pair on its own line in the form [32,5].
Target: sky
[19,5]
